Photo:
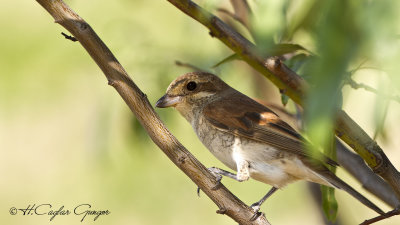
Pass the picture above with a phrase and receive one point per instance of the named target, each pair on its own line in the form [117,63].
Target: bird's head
[192,91]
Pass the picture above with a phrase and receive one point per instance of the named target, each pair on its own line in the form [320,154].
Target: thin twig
[69,37]
[235,17]
[394,212]
[188,65]
[242,10]
[137,101]
[356,85]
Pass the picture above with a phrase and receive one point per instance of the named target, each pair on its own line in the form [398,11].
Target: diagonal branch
[355,165]
[137,101]
[294,86]
[394,212]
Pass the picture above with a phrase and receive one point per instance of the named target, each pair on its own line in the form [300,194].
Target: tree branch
[373,183]
[394,212]
[352,134]
[294,86]
[137,101]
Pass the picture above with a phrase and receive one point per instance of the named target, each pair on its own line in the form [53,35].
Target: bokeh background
[67,138]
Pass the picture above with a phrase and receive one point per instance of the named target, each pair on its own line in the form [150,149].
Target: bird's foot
[218,177]
[256,207]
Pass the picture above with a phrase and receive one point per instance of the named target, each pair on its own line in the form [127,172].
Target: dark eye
[191,86]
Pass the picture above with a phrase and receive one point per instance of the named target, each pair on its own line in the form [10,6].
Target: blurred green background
[67,138]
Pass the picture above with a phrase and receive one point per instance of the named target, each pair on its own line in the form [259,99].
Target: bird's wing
[246,118]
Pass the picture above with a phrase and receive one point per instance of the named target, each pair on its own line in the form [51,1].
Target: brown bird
[248,137]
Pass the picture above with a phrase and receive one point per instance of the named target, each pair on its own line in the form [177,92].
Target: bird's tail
[340,184]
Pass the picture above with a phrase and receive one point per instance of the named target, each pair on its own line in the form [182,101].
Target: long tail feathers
[338,183]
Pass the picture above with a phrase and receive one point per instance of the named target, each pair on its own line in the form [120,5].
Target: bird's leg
[256,206]
[242,175]
[218,173]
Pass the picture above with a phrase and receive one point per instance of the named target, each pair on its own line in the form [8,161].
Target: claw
[221,211]
[218,178]
[218,185]
[257,213]
[255,207]
[198,191]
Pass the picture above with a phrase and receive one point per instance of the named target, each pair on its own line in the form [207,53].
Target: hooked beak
[167,101]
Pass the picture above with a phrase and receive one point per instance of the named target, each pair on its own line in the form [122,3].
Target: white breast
[267,164]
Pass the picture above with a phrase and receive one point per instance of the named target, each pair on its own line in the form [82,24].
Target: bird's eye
[191,86]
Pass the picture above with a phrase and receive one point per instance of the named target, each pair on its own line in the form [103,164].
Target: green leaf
[284,99]
[320,131]
[285,48]
[329,203]
[304,18]
[297,61]
[227,59]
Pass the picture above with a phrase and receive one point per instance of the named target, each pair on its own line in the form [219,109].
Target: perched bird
[248,137]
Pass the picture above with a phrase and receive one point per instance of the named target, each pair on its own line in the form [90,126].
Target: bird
[248,137]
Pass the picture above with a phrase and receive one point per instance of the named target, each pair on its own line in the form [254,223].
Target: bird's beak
[167,101]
